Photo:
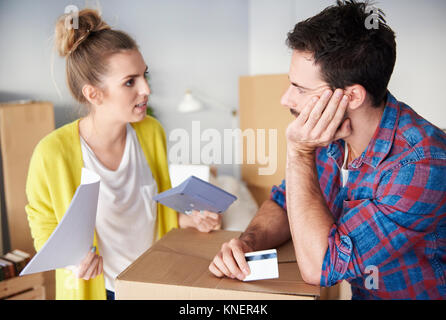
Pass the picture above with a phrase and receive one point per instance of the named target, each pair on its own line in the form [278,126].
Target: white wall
[205,45]
[269,23]
[196,44]
[418,78]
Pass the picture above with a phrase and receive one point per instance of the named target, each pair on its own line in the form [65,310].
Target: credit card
[263,265]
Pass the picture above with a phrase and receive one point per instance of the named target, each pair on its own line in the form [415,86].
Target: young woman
[127,149]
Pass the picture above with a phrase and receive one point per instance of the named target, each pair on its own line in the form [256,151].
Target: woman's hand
[90,267]
[203,221]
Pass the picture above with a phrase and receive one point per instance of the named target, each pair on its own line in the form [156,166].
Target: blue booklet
[196,194]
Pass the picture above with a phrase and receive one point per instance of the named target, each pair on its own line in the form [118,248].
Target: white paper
[266,267]
[73,237]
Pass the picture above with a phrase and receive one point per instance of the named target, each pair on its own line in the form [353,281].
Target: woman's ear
[357,96]
[92,94]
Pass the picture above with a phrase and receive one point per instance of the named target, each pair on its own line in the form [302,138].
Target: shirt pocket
[148,192]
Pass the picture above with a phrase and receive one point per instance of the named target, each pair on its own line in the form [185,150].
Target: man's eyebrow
[294,84]
[135,75]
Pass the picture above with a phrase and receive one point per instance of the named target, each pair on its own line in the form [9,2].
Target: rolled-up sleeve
[278,194]
[337,257]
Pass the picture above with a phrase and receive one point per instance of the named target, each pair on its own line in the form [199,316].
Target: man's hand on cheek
[320,123]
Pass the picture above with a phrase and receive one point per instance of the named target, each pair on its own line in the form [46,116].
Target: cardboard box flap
[194,243]
[157,266]
[202,245]
[162,267]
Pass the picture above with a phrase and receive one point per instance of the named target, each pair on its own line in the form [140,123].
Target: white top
[344,169]
[126,214]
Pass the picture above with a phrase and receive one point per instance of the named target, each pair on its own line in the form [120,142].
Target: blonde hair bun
[67,38]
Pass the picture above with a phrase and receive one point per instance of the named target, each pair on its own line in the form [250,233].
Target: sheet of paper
[263,265]
[73,237]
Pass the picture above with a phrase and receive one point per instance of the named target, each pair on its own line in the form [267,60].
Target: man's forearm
[268,229]
[309,217]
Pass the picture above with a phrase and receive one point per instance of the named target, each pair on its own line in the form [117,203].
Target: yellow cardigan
[55,173]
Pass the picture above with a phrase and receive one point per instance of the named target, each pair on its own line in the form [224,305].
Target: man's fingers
[318,109]
[340,127]
[239,256]
[305,113]
[328,115]
[214,270]
[220,265]
[230,262]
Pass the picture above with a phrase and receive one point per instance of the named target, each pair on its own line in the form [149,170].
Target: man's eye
[130,83]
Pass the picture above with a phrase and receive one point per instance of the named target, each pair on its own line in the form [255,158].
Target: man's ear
[92,94]
[357,96]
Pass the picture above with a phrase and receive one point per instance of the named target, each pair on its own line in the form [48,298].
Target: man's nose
[287,100]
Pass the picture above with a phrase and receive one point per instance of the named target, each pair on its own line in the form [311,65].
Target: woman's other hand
[203,221]
[90,267]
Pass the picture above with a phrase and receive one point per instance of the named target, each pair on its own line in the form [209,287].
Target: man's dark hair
[347,51]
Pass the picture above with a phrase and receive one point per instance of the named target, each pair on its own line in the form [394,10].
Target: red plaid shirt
[389,235]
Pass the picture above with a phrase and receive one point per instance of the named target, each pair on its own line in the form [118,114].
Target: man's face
[305,82]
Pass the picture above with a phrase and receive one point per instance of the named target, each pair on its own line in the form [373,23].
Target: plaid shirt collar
[381,143]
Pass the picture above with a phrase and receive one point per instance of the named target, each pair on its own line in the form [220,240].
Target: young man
[365,190]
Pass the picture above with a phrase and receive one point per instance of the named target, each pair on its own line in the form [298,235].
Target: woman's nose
[144,88]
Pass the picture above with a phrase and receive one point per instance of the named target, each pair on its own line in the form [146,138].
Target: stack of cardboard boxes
[22,126]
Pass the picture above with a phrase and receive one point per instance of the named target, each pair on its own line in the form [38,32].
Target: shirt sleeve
[409,203]
[278,195]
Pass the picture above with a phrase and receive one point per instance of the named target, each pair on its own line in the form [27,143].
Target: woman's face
[125,88]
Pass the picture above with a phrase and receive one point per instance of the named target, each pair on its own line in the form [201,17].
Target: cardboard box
[260,108]
[22,126]
[176,267]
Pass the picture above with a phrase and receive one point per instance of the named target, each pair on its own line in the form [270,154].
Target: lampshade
[189,103]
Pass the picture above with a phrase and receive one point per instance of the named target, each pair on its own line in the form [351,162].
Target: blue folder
[196,194]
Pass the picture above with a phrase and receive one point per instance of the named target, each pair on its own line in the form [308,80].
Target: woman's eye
[130,83]
[146,75]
